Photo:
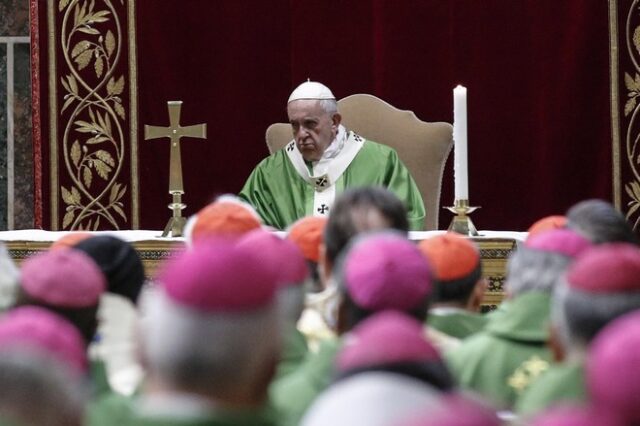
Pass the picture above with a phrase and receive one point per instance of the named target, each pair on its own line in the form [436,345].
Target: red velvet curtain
[537,73]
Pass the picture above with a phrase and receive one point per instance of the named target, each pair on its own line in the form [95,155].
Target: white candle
[460,143]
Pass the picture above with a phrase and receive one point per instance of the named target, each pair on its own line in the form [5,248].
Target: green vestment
[294,352]
[281,195]
[99,381]
[218,419]
[460,323]
[108,410]
[503,359]
[117,410]
[561,383]
[293,395]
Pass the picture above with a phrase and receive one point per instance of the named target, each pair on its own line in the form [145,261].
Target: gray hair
[534,270]
[600,222]
[37,390]
[330,106]
[209,353]
[291,302]
[578,315]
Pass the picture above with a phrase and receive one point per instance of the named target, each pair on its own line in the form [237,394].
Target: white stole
[326,172]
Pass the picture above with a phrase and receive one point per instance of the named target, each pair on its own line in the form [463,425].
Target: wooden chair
[423,147]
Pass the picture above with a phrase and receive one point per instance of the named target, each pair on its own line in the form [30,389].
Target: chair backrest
[423,147]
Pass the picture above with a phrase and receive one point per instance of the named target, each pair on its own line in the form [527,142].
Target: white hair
[208,352]
[579,315]
[39,390]
[330,106]
[534,270]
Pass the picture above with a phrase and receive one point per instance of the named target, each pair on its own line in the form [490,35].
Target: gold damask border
[615,106]
[133,115]
[53,115]
[54,186]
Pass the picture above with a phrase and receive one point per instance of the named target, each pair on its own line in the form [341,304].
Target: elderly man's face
[313,128]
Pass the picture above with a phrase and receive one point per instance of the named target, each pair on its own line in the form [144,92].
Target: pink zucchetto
[63,278]
[386,271]
[574,415]
[613,368]
[35,329]
[607,268]
[386,338]
[278,253]
[219,276]
[456,410]
[561,241]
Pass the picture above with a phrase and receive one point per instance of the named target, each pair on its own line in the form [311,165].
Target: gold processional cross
[174,132]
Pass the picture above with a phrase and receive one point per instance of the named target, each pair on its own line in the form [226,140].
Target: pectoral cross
[174,132]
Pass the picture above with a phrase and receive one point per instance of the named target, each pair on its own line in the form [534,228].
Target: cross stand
[176,223]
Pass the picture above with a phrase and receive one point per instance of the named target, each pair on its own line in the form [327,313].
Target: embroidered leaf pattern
[83,59]
[629,106]
[80,47]
[99,67]
[71,197]
[119,110]
[87,176]
[110,43]
[102,169]
[113,195]
[68,218]
[119,210]
[93,111]
[636,38]
[115,87]
[76,153]
[633,85]
[106,157]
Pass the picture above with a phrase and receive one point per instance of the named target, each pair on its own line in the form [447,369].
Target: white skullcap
[372,399]
[311,90]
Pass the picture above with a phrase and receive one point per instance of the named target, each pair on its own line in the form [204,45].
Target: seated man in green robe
[459,286]
[511,351]
[321,161]
[602,285]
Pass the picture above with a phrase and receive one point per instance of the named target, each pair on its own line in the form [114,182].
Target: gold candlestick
[461,222]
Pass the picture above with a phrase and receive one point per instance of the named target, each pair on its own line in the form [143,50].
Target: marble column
[16,150]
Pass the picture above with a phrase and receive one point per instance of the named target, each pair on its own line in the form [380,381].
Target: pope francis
[321,161]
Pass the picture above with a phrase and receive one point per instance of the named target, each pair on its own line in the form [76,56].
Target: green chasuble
[117,410]
[109,409]
[99,382]
[228,419]
[459,323]
[281,195]
[561,383]
[292,396]
[503,359]
[294,352]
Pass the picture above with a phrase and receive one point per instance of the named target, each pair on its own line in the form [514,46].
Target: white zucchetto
[311,90]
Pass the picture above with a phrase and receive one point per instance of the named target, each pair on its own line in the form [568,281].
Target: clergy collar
[335,146]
